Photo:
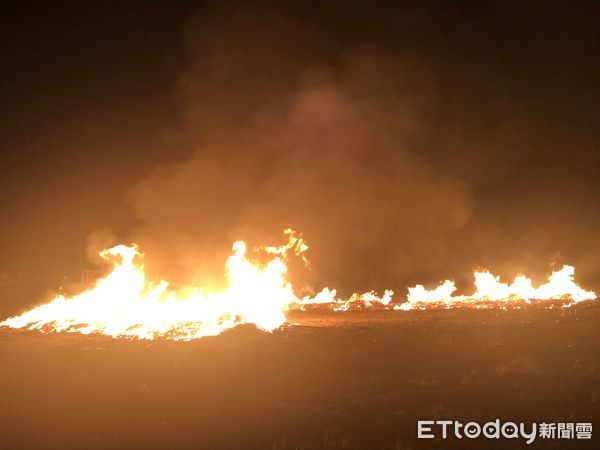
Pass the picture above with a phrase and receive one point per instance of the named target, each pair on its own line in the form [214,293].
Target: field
[355,380]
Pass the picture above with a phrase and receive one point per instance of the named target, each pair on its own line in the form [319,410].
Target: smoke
[98,240]
[293,131]
[388,157]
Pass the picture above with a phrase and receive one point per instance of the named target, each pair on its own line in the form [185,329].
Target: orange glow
[490,290]
[126,304]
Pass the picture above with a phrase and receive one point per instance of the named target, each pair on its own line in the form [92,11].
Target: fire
[490,290]
[126,303]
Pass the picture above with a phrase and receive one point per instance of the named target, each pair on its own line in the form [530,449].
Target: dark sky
[86,104]
[409,142]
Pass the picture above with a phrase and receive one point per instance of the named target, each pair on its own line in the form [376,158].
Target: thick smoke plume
[386,156]
[296,132]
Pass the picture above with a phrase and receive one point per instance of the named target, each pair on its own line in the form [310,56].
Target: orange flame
[126,304]
[489,289]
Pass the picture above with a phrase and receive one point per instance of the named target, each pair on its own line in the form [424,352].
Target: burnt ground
[356,380]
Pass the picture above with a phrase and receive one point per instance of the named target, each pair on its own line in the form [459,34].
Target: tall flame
[126,304]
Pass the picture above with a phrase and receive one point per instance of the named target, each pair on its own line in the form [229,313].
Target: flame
[489,289]
[126,304]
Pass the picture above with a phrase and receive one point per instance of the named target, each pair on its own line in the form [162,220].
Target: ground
[355,380]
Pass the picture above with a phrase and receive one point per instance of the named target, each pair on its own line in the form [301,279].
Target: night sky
[409,142]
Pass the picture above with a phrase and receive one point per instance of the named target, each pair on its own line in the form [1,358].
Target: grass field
[355,380]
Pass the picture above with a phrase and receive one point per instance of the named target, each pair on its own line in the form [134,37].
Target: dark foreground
[360,382]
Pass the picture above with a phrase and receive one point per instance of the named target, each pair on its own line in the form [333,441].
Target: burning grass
[125,303]
[356,380]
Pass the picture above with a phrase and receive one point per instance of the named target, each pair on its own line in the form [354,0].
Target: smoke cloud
[293,133]
[399,160]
